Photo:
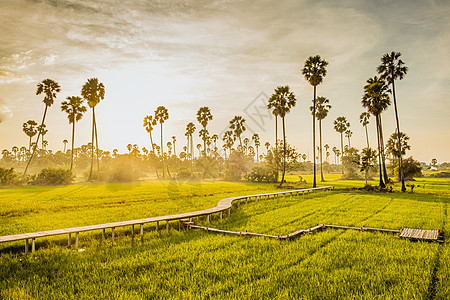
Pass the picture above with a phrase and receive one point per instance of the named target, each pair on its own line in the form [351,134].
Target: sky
[227,55]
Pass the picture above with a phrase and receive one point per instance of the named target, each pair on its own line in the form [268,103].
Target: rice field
[193,264]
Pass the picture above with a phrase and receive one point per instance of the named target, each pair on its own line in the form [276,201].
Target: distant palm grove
[233,155]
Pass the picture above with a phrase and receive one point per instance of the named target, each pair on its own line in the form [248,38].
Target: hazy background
[222,54]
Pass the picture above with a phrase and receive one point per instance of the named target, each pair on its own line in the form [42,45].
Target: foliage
[7,176]
[237,166]
[350,161]
[411,168]
[368,161]
[262,173]
[50,176]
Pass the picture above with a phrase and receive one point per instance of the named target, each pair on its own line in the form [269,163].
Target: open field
[192,264]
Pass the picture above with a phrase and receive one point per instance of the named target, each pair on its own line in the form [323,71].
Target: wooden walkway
[224,205]
[419,234]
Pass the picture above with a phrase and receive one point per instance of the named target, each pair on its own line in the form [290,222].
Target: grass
[330,264]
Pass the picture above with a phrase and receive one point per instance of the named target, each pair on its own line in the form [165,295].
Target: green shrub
[262,173]
[7,176]
[50,176]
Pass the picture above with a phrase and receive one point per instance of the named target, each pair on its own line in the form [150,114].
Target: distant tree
[203,117]
[246,141]
[149,123]
[214,138]
[65,144]
[174,139]
[392,68]
[228,139]
[93,92]
[190,129]
[161,115]
[322,108]
[29,127]
[341,125]
[314,71]
[434,162]
[49,88]
[412,168]
[43,132]
[368,161]
[255,138]
[238,127]
[348,135]
[75,109]
[282,100]
[364,120]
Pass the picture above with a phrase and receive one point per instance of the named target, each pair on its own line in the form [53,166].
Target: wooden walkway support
[223,205]
[417,234]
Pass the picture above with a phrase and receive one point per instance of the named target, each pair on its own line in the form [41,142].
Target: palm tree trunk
[73,142]
[35,145]
[192,154]
[92,144]
[314,137]
[379,152]
[162,151]
[400,159]
[29,145]
[96,143]
[320,154]
[276,144]
[284,152]
[342,151]
[367,137]
[386,178]
[257,154]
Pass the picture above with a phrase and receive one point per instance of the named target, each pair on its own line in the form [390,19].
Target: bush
[411,168]
[262,174]
[49,176]
[237,166]
[7,176]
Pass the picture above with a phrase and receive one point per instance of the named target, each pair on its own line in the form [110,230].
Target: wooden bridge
[224,205]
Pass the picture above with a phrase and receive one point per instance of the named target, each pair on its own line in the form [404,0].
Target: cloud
[5,112]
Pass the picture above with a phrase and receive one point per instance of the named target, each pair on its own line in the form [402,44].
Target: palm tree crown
[376,97]
[238,127]
[48,87]
[281,101]
[315,70]
[74,108]
[93,92]
[392,67]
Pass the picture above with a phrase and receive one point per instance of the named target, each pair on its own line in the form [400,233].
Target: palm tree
[214,138]
[392,68]
[238,127]
[75,109]
[348,135]
[65,144]
[148,123]
[228,139]
[376,100]
[255,138]
[204,135]
[161,115]
[29,127]
[267,145]
[335,154]
[203,117]
[93,92]
[314,72]
[246,141]
[174,139]
[341,125]
[326,146]
[48,87]
[190,129]
[43,132]
[364,120]
[393,149]
[282,100]
[322,108]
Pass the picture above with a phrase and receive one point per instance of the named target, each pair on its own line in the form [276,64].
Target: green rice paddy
[333,264]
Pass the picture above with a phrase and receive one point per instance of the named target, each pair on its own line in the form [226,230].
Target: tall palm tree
[161,115]
[203,117]
[238,127]
[282,100]
[314,71]
[93,92]
[348,135]
[149,123]
[322,108]
[364,120]
[29,127]
[255,138]
[392,68]
[49,88]
[190,129]
[75,109]
[376,100]
[341,125]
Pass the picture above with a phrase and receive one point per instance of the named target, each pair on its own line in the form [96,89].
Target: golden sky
[222,54]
